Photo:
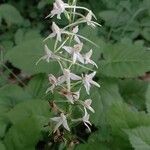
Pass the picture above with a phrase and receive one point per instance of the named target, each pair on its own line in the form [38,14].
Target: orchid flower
[62,120]
[48,55]
[88,80]
[86,121]
[71,96]
[53,81]
[75,31]
[58,9]
[87,57]
[75,52]
[56,32]
[87,104]
[67,77]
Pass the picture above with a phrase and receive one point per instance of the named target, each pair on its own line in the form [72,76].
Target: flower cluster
[67,52]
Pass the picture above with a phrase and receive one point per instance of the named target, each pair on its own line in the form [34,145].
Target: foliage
[122,104]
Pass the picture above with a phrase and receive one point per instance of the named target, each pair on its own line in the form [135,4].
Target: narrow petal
[89,54]
[75,29]
[57,126]
[74,76]
[87,87]
[80,58]
[56,119]
[87,126]
[77,39]
[65,124]
[68,49]
[74,58]
[61,79]
[94,83]
[70,98]
[92,75]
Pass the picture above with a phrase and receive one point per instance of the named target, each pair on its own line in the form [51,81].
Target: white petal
[74,76]
[68,49]
[87,126]
[57,126]
[89,54]
[80,58]
[88,102]
[92,75]
[61,79]
[75,29]
[76,95]
[87,87]
[65,124]
[77,39]
[56,119]
[74,58]
[93,63]
[70,98]
[94,83]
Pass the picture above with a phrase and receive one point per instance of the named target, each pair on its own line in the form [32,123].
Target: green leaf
[10,14]
[37,108]
[133,92]
[10,95]
[93,142]
[19,36]
[91,146]
[124,60]
[3,126]
[121,116]
[139,138]
[97,106]
[109,92]
[24,135]
[2,147]
[148,98]
[37,86]
[26,54]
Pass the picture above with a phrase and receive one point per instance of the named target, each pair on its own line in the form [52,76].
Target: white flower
[75,52]
[48,55]
[56,32]
[87,104]
[88,19]
[62,120]
[53,80]
[68,76]
[71,96]
[87,57]
[75,31]
[58,9]
[86,121]
[88,80]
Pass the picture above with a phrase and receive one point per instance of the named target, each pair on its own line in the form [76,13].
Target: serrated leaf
[139,138]
[10,14]
[133,92]
[26,54]
[37,108]
[10,95]
[121,116]
[24,135]
[124,60]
